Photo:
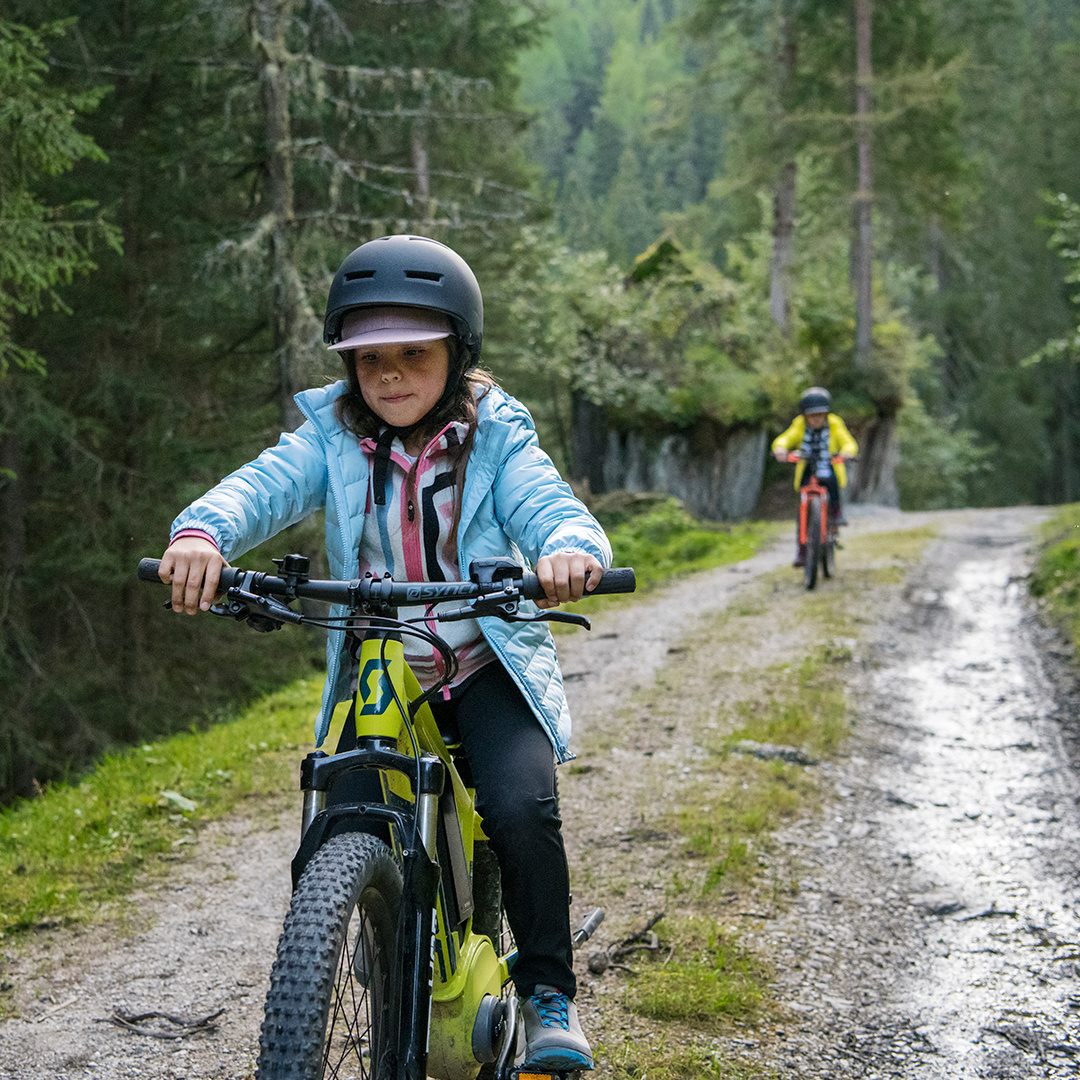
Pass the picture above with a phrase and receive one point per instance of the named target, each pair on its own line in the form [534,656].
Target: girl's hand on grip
[566,576]
[193,567]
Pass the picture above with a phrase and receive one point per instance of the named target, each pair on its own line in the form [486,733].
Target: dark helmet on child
[815,400]
[380,277]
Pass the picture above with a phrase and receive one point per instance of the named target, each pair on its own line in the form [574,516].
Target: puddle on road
[985,809]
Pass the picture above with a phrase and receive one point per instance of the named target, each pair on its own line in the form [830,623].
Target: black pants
[513,769]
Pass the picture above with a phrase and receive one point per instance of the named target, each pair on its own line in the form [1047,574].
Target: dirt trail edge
[933,933]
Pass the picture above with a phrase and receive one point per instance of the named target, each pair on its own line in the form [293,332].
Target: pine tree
[251,144]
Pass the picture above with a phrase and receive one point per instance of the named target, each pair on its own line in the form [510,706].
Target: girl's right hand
[193,566]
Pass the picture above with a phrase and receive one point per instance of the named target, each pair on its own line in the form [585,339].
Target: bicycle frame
[443,1013]
[446,970]
[813,490]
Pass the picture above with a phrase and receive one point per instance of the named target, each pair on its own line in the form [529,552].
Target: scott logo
[374,688]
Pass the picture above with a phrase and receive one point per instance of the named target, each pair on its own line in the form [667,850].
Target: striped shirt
[407,534]
[815,448]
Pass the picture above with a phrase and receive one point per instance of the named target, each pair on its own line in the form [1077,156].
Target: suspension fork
[411,997]
[411,978]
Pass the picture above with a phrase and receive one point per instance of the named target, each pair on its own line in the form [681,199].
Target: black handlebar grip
[148,570]
[230,575]
[617,579]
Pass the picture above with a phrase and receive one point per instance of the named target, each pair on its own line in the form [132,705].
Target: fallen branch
[183,1026]
[645,938]
[990,913]
[56,1008]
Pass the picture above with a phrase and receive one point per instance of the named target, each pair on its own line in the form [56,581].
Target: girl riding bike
[423,464]
[818,436]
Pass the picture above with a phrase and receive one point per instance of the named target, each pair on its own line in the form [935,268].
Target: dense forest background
[681,212]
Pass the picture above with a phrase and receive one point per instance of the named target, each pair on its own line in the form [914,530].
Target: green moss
[655,1059]
[701,975]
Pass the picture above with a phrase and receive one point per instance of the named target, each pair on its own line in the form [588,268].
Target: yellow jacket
[840,442]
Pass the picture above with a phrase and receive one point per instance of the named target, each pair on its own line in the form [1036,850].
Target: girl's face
[402,383]
[817,419]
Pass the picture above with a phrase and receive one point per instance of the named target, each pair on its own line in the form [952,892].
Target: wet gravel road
[937,932]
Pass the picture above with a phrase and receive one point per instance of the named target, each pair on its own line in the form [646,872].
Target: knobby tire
[828,553]
[813,543]
[327,1007]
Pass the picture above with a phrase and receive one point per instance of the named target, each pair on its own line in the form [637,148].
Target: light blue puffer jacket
[515,504]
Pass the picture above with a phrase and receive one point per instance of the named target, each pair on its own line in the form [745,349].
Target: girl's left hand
[563,576]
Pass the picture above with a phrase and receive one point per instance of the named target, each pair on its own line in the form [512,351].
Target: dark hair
[464,388]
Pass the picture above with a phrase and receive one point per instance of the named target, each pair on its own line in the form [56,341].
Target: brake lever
[262,612]
[508,612]
[505,609]
[555,616]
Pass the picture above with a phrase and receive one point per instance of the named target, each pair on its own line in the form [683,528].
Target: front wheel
[813,543]
[327,1010]
[828,551]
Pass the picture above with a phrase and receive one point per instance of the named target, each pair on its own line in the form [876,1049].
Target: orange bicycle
[817,534]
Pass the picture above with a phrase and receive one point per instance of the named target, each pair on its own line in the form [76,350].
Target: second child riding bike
[820,442]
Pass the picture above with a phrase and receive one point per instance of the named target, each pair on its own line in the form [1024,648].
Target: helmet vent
[424,275]
[356,274]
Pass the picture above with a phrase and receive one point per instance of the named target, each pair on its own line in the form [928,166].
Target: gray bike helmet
[414,271]
[815,400]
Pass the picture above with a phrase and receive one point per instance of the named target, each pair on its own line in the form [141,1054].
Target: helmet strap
[382,462]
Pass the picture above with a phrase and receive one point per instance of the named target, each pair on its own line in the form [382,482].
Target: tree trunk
[873,476]
[419,140]
[783,229]
[588,442]
[423,177]
[12,506]
[270,21]
[864,196]
[874,479]
[783,232]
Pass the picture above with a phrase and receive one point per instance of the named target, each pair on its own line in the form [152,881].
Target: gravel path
[935,932]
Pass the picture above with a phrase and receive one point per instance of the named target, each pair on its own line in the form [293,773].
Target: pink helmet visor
[391,324]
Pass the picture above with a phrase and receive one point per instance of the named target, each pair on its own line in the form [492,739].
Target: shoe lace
[551,1008]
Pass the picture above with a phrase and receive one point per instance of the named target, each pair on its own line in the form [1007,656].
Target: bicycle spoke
[349,1034]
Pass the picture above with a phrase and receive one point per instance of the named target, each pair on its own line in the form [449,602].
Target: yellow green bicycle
[393,962]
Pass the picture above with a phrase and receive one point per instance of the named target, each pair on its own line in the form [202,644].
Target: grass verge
[664,1061]
[1055,581]
[81,845]
[662,542]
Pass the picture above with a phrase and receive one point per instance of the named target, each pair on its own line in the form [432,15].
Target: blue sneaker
[553,1037]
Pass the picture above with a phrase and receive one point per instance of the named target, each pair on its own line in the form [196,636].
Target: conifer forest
[681,212]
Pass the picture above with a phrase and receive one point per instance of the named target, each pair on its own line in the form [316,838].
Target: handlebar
[387,591]
[835,459]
